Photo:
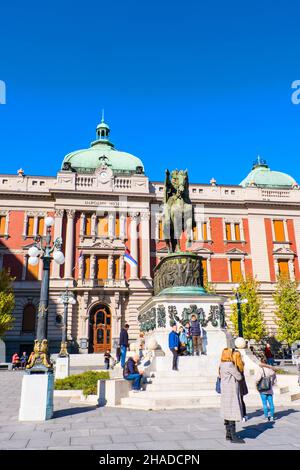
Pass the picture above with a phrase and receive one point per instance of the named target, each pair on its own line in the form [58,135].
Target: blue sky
[202,85]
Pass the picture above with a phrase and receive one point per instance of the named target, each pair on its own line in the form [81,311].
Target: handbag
[264,384]
[218,385]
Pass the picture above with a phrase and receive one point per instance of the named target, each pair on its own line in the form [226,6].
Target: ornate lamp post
[238,301]
[44,249]
[66,299]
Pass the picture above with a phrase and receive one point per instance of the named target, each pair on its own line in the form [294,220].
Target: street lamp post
[38,382]
[40,359]
[66,299]
[238,301]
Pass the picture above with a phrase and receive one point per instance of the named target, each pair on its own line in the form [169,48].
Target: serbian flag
[129,259]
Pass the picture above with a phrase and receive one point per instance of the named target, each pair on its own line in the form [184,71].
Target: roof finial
[102,120]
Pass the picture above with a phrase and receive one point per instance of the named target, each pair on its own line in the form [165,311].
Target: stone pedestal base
[37,397]
[2,351]
[62,368]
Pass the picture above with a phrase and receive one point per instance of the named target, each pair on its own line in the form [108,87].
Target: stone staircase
[193,386]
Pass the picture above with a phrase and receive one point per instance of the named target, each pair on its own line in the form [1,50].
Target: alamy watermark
[296,94]
[2,92]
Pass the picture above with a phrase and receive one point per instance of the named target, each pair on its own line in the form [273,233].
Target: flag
[129,259]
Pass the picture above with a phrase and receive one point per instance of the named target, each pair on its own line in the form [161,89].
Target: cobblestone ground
[86,427]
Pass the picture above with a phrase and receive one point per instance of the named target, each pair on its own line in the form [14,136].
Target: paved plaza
[88,427]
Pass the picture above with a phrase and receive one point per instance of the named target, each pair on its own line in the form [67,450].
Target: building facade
[104,208]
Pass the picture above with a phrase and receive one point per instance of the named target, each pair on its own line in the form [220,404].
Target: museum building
[108,213]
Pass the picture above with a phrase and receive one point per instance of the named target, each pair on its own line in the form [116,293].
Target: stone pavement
[88,427]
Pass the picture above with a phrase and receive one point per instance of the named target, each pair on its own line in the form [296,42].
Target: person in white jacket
[266,395]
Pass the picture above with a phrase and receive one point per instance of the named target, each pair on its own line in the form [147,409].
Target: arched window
[29,316]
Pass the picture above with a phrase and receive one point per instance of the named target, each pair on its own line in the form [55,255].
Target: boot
[228,435]
[234,437]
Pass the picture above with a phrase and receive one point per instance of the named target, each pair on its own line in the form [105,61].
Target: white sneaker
[245,418]
[136,391]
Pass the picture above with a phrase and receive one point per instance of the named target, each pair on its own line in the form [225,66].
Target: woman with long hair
[238,362]
[231,405]
[268,373]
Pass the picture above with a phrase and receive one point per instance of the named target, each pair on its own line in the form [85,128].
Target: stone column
[35,225]
[134,243]
[122,226]
[69,243]
[199,229]
[80,267]
[276,267]
[82,226]
[116,321]
[122,267]
[291,269]
[6,224]
[110,266]
[145,237]
[93,226]
[92,266]
[111,226]
[25,225]
[58,218]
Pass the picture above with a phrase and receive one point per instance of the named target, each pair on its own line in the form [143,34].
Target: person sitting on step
[131,372]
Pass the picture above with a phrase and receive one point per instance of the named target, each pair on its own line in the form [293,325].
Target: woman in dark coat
[238,362]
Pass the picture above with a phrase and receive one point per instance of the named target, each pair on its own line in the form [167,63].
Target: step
[174,393]
[180,386]
[207,373]
[174,380]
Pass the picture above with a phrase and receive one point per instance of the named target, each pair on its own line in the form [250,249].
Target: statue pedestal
[159,313]
[37,397]
[62,367]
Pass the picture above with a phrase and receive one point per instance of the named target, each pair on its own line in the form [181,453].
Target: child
[107,357]
[189,344]
[182,341]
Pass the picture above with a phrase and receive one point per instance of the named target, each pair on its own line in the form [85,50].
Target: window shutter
[87,264]
[41,222]
[236,270]
[30,224]
[2,224]
[117,226]
[103,226]
[117,267]
[195,233]
[237,232]
[283,266]
[161,230]
[228,231]
[102,268]
[88,225]
[279,231]
[204,231]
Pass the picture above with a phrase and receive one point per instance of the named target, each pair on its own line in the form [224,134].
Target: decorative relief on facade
[161,316]
[178,271]
[173,315]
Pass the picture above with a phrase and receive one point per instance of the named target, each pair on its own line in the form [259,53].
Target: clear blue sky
[197,84]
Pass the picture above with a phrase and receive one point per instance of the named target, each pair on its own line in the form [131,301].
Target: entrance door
[101,329]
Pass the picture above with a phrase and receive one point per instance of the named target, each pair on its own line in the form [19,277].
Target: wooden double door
[100,332]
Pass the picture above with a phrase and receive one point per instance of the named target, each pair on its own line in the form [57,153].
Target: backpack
[264,384]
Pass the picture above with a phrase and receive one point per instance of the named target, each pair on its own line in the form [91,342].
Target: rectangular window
[2,224]
[30,225]
[87,264]
[117,226]
[236,270]
[204,231]
[88,225]
[204,270]
[283,267]
[161,237]
[32,272]
[195,233]
[228,231]
[116,267]
[279,230]
[103,226]
[40,230]
[102,268]
[237,232]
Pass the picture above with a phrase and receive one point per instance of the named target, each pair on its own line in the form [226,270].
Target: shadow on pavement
[252,431]
[72,411]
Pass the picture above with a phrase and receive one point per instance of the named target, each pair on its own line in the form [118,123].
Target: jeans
[270,361]
[267,399]
[136,378]
[106,365]
[123,355]
[197,344]
[175,358]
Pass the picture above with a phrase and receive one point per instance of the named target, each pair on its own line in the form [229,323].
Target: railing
[122,183]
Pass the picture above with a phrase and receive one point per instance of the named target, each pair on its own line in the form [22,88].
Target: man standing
[269,355]
[174,345]
[124,344]
[197,335]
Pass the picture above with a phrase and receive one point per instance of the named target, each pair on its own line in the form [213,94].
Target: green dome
[262,176]
[102,151]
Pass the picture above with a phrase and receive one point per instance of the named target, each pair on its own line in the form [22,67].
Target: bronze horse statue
[178,210]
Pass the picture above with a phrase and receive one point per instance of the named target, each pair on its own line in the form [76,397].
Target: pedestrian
[23,360]
[197,335]
[182,342]
[131,372]
[269,355]
[107,357]
[231,405]
[15,361]
[265,378]
[238,362]
[189,344]
[124,344]
[174,345]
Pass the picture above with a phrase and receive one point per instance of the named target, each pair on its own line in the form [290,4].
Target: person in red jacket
[15,361]
[269,355]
